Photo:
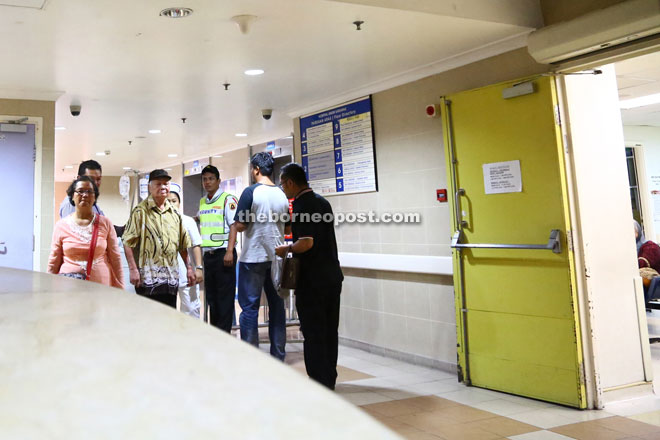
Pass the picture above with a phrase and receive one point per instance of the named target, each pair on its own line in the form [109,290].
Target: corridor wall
[405,314]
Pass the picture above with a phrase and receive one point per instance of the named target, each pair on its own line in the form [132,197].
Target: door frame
[37,197]
[588,316]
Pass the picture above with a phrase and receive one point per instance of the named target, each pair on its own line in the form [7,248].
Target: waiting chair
[652,298]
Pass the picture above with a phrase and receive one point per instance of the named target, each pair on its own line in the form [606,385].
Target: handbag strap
[92,246]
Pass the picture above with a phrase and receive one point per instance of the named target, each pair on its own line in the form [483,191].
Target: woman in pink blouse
[73,235]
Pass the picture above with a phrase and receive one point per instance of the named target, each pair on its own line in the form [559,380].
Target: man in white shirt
[188,295]
[91,169]
[261,211]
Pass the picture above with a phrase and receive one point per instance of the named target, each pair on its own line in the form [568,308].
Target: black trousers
[318,310]
[220,288]
[163,298]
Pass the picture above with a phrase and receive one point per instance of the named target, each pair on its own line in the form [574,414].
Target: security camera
[75,110]
[266,113]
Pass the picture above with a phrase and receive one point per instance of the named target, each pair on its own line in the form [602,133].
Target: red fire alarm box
[441,194]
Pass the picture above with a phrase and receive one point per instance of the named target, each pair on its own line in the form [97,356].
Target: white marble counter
[80,360]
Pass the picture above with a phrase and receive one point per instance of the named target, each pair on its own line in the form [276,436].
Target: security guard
[216,217]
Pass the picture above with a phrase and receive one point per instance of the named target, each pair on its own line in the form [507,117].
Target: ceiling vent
[601,29]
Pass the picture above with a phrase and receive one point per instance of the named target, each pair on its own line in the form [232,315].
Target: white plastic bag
[276,271]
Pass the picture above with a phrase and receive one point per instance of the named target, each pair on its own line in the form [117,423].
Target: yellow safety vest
[212,221]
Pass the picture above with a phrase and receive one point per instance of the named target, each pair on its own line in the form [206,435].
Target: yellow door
[517,318]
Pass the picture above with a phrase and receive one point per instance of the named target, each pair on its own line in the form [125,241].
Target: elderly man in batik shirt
[153,236]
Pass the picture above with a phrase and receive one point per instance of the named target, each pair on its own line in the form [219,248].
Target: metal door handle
[457,206]
[554,243]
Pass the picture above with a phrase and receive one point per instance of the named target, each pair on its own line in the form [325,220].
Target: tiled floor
[422,403]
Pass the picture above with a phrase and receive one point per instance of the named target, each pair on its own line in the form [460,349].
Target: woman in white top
[188,296]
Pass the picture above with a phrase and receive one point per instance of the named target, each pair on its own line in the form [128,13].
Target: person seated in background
[74,236]
[648,252]
[648,259]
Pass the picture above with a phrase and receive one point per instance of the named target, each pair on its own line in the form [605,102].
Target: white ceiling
[132,70]
[638,77]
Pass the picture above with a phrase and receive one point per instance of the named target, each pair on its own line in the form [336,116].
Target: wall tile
[395,332]
[368,201]
[393,293]
[349,247]
[335,202]
[338,234]
[374,328]
[443,342]
[372,296]
[391,233]
[409,195]
[388,192]
[417,300]
[369,233]
[442,305]
[418,337]
[371,248]
[342,319]
[415,249]
[349,203]
[439,250]
[354,323]
[350,233]
[436,222]
[418,146]
[352,292]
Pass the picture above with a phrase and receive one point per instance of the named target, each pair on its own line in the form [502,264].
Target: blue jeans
[252,277]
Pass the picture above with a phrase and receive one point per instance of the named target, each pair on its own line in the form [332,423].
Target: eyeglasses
[84,192]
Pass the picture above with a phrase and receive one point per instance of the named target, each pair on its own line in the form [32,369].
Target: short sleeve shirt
[264,209]
[157,237]
[231,205]
[319,266]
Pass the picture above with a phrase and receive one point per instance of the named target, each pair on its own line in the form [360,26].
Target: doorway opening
[638,82]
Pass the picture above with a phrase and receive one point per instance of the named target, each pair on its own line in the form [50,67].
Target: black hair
[295,173]
[211,169]
[264,162]
[88,165]
[178,197]
[72,188]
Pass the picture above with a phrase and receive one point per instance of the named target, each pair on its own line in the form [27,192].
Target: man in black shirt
[319,284]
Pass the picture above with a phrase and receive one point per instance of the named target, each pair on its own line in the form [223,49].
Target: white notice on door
[502,177]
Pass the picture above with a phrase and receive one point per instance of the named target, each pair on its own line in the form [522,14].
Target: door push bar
[554,243]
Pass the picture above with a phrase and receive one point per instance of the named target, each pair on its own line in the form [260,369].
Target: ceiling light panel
[640,102]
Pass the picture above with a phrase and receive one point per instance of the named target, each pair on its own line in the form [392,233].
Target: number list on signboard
[337,149]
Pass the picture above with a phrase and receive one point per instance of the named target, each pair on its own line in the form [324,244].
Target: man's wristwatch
[199,267]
